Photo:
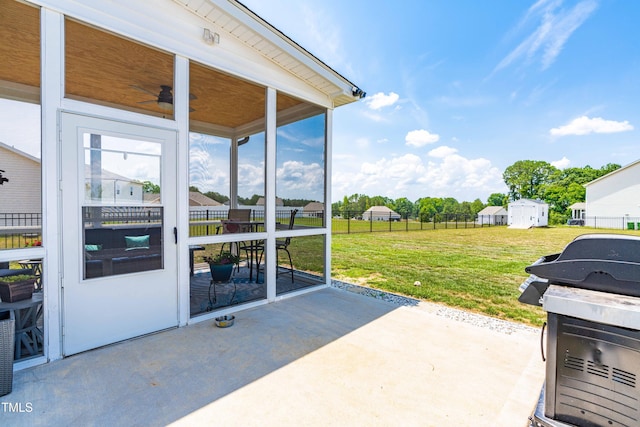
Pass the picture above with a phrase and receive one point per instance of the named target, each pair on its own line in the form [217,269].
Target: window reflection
[209,182]
[300,162]
[305,267]
[20,170]
[121,171]
[122,222]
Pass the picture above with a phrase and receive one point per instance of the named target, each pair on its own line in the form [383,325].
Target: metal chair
[238,222]
[281,245]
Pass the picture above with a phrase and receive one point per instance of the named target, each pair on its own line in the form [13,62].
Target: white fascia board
[276,37]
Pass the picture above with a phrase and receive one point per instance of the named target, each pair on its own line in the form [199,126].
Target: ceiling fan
[164,98]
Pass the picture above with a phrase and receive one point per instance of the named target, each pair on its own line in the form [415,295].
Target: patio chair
[281,244]
[238,222]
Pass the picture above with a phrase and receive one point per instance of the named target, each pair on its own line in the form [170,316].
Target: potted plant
[221,265]
[16,288]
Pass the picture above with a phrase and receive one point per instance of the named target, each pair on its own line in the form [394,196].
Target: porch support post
[270,193]
[233,191]
[328,126]
[181,114]
[52,90]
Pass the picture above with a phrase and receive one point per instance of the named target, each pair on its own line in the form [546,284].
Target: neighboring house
[380,213]
[279,201]
[527,213]
[493,215]
[313,209]
[113,188]
[21,181]
[578,210]
[199,199]
[614,198]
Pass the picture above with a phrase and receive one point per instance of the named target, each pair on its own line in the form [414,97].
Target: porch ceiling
[104,68]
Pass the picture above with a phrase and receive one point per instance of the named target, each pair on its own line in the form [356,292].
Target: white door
[119,249]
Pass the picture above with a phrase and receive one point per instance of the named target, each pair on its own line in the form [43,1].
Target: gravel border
[480,320]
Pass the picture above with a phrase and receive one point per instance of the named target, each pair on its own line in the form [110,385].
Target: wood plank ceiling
[107,69]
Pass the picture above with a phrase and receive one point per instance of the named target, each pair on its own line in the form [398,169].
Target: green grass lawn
[475,269]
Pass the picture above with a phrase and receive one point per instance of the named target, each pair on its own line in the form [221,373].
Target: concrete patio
[326,358]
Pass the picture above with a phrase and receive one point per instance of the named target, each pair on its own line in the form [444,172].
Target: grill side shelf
[617,277]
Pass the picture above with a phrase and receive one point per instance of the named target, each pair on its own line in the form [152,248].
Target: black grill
[590,292]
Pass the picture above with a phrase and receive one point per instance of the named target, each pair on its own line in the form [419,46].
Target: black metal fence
[19,230]
[363,222]
[613,222]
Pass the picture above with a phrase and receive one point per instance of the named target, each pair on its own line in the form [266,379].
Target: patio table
[26,313]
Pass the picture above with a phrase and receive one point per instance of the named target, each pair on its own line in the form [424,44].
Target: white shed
[613,200]
[527,213]
[492,215]
[380,213]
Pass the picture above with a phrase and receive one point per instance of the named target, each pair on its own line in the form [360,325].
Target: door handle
[175,235]
[544,325]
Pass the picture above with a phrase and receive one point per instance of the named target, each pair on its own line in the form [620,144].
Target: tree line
[528,179]
[525,179]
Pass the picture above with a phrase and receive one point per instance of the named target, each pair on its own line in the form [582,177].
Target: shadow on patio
[329,357]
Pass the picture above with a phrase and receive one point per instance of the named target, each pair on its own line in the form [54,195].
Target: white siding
[22,193]
[616,194]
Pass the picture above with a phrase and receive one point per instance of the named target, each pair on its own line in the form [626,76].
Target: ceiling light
[210,38]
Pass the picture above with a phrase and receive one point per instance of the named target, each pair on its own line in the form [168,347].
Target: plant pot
[221,272]
[17,291]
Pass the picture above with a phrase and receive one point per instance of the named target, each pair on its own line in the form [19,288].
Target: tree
[450,206]
[498,199]
[427,207]
[525,178]
[404,207]
[220,198]
[476,206]
[150,187]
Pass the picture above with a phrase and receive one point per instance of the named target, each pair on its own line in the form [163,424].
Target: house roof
[275,46]
[314,206]
[578,206]
[381,210]
[493,210]
[624,168]
[279,201]
[199,199]
[528,201]
[18,152]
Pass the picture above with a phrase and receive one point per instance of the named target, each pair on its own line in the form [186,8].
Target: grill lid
[600,262]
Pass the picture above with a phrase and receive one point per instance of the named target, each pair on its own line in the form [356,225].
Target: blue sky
[458,90]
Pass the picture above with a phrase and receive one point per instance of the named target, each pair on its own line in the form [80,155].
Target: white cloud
[419,138]
[554,26]
[563,163]
[299,180]
[410,176]
[442,152]
[380,100]
[455,175]
[584,125]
